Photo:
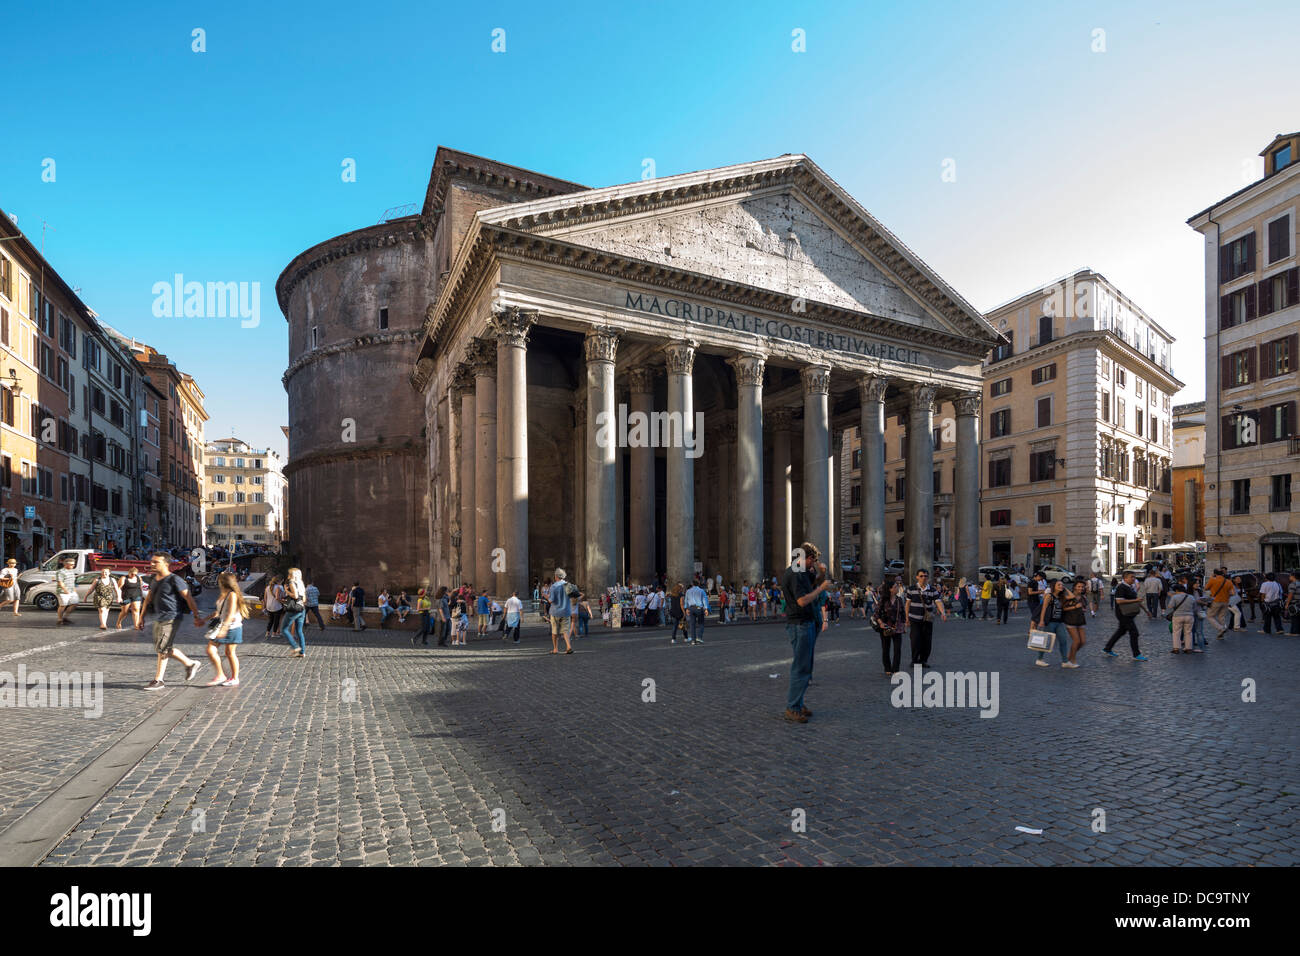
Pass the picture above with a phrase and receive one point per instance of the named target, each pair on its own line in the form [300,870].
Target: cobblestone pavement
[371,751]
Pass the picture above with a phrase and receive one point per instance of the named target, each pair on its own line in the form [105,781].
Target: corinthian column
[919,505]
[511,327]
[452,509]
[782,515]
[817,458]
[681,468]
[484,359]
[601,345]
[748,507]
[966,493]
[871,391]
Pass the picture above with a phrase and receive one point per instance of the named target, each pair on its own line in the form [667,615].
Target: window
[936,438]
[899,526]
[1120,420]
[239,479]
[257,463]
[219,519]
[1237,258]
[239,497]
[219,479]
[1137,422]
[1042,465]
[1279,238]
[1045,412]
[857,459]
[1044,514]
[1044,329]
[1139,517]
[259,498]
[1000,423]
[1119,513]
[1001,387]
[6,278]
[1000,518]
[1167,521]
[1105,406]
[1000,473]
[1121,377]
[855,496]
[1239,368]
[259,520]
[899,488]
[938,482]
[1278,357]
[1155,429]
[1004,351]
[1241,496]
[383,317]
[1280,496]
[4,327]
[239,463]
[1278,292]
[1278,422]
[1137,387]
[315,336]
[1281,157]
[1044,373]
[219,497]
[902,447]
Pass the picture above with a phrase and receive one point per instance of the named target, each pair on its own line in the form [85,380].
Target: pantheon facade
[749,314]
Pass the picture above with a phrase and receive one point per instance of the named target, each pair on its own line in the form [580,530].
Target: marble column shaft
[966,492]
[601,346]
[817,458]
[453,483]
[782,492]
[511,327]
[871,528]
[748,508]
[641,532]
[681,468]
[485,464]
[468,459]
[919,492]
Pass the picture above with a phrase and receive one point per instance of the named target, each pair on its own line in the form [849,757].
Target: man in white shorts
[65,583]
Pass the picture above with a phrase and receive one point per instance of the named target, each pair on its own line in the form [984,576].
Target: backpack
[571,590]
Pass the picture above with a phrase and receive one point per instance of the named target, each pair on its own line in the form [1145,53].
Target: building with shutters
[243,494]
[1252,348]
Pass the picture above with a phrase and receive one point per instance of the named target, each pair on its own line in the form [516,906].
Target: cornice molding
[369,340]
[392,233]
[410,448]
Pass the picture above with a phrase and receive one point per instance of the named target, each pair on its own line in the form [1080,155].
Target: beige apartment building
[1252,349]
[243,493]
[1075,437]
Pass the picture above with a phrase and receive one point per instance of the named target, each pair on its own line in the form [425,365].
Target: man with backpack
[561,610]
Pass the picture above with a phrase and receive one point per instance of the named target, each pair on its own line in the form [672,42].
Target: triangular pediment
[778,225]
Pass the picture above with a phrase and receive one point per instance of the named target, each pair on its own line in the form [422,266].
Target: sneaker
[233,682]
[1140,657]
[155,685]
[795,717]
[192,670]
[1068,664]
[698,641]
[1109,653]
[672,640]
[1197,650]
[1041,663]
[805,711]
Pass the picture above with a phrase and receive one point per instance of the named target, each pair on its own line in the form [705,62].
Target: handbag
[1041,640]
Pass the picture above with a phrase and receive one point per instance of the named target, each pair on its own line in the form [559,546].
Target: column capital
[511,326]
[462,378]
[816,379]
[601,345]
[923,397]
[968,404]
[482,357]
[780,419]
[641,379]
[749,368]
[681,356]
[872,388]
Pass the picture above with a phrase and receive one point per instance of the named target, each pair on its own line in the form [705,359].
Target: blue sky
[223,165]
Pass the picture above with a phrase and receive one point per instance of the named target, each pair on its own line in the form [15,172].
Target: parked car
[1139,570]
[45,594]
[86,560]
[1054,572]
[942,570]
[994,571]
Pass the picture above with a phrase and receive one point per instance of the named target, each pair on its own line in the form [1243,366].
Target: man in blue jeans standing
[697,606]
[802,624]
